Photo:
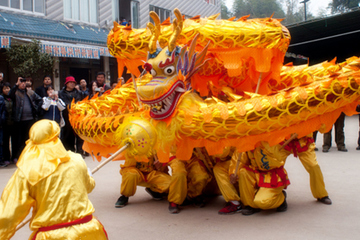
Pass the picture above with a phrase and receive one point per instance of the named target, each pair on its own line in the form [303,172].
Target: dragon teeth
[179,89]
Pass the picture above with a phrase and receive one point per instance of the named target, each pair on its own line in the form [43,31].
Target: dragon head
[171,68]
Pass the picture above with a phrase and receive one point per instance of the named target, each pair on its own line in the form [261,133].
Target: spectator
[26,106]
[100,80]
[41,91]
[53,106]
[29,83]
[339,136]
[123,22]
[8,126]
[2,121]
[1,80]
[122,80]
[113,85]
[94,89]
[67,94]
[83,89]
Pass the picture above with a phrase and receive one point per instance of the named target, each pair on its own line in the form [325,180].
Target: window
[81,10]
[135,14]
[163,13]
[36,6]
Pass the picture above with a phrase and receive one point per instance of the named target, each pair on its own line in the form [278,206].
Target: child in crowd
[53,106]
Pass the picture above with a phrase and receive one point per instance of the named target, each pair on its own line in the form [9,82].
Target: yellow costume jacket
[268,164]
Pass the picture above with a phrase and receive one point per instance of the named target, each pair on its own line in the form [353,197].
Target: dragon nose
[148,67]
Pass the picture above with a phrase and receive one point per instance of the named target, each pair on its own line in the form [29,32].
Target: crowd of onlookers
[21,106]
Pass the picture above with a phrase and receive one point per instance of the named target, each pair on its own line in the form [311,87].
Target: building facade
[74,32]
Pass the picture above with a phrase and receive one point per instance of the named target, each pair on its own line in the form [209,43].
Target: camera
[22,80]
[97,89]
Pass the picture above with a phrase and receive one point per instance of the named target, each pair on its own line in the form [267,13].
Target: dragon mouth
[164,106]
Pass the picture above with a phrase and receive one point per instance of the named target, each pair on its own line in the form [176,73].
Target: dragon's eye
[153,72]
[169,70]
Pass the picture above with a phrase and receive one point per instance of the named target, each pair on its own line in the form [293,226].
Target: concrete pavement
[144,218]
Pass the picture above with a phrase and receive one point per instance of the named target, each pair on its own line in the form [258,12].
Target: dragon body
[299,99]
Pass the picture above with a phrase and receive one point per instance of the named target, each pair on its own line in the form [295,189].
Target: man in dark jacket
[67,94]
[26,106]
[41,91]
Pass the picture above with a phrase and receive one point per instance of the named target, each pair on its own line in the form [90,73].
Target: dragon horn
[178,25]
[155,31]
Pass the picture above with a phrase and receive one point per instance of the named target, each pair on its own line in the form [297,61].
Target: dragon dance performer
[304,148]
[224,170]
[152,175]
[55,183]
[188,179]
[262,178]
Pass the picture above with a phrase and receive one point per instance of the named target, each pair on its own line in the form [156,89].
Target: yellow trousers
[253,196]
[308,160]
[132,177]
[187,178]
[228,190]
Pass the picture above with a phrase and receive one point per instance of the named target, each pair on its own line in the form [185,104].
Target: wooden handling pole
[295,135]
[133,78]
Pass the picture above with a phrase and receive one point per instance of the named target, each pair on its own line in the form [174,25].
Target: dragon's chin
[164,106]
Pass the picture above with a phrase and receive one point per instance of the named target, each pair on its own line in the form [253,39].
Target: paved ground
[306,218]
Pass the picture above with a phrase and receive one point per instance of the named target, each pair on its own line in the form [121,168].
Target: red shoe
[173,208]
[230,208]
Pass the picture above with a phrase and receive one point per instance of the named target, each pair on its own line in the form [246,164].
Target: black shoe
[3,165]
[358,148]
[121,202]
[342,149]
[325,150]
[325,200]
[316,149]
[155,195]
[283,206]
[199,202]
[173,208]
[249,210]
[187,202]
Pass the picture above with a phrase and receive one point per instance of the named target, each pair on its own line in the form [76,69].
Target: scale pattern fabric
[291,99]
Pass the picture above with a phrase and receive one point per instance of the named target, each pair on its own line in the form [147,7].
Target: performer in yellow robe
[262,178]
[152,175]
[224,171]
[304,148]
[188,178]
[55,183]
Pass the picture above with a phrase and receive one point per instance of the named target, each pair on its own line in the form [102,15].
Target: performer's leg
[198,178]
[157,181]
[221,173]
[269,198]
[247,187]
[317,185]
[178,183]
[131,177]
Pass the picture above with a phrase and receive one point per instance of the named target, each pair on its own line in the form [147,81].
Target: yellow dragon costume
[214,83]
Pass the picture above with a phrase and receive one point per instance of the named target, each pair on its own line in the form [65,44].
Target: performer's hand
[90,173]
[157,165]
[233,178]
